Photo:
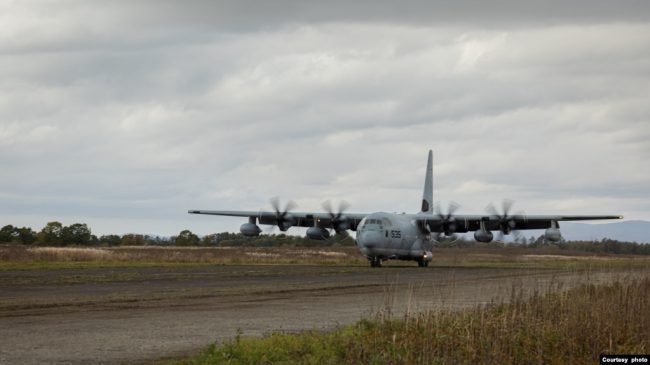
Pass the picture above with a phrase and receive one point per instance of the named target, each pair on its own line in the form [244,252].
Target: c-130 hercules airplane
[381,236]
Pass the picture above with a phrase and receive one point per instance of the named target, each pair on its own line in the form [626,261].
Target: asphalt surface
[81,316]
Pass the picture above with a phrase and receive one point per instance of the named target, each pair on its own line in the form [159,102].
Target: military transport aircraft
[381,236]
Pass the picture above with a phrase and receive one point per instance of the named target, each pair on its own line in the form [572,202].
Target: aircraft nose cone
[369,239]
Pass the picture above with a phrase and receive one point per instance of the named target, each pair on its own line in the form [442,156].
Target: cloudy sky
[124,115]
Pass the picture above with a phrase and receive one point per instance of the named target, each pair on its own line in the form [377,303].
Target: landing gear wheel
[423,263]
[375,262]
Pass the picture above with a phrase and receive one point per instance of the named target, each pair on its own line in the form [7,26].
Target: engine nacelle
[250,229]
[317,233]
[553,235]
[484,236]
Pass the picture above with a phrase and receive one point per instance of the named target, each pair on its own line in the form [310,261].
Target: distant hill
[631,231]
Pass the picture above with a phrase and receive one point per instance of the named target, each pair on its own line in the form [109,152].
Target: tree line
[79,234]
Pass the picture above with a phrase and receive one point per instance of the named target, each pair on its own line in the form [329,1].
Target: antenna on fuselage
[427,195]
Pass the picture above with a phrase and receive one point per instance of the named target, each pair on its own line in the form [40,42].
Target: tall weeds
[557,328]
[570,327]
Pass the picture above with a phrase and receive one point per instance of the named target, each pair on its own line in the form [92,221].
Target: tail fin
[427,196]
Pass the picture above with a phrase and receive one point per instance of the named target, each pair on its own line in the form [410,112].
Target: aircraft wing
[296,219]
[465,223]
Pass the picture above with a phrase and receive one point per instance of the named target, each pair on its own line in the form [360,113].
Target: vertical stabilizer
[427,196]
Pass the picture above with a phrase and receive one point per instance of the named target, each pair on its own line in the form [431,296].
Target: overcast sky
[125,114]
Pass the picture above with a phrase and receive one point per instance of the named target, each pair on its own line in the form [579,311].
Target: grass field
[570,327]
[15,257]
[21,257]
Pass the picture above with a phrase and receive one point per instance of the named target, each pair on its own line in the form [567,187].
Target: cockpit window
[362,224]
[371,224]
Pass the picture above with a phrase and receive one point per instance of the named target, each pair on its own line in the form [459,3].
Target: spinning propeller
[338,221]
[448,222]
[283,218]
[506,222]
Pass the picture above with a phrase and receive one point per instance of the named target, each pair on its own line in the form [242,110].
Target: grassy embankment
[573,327]
[14,257]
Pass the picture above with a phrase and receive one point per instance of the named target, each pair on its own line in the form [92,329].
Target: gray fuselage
[392,236]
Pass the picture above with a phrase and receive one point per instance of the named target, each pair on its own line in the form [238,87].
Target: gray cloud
[126,115]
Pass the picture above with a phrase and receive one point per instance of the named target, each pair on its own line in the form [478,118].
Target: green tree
[76,234]
[8,234]
[187,238]
[51,234]
[133,240]
[210,240]
[27,235]
[110,240]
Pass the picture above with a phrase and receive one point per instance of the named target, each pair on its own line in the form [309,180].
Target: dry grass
[533,258]
[555,327]
[13,257]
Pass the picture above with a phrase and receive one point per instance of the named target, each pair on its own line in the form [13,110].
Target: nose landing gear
[422,262]
[375,261]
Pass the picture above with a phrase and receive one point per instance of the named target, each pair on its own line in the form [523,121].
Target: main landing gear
[422,262]
[375,261]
